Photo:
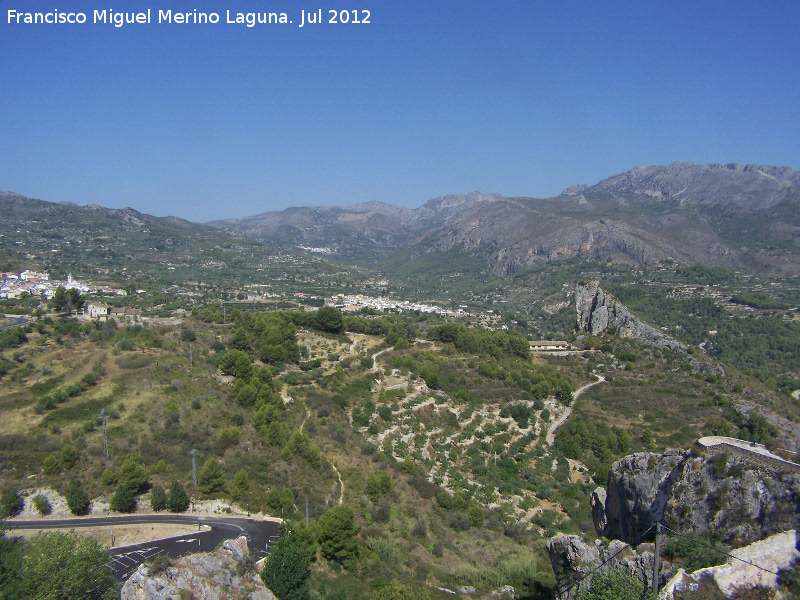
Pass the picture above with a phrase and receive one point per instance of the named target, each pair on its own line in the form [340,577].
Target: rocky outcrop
[599,312]
[740,571]
[738,499]
[639,488]
[224,574]
[573,560]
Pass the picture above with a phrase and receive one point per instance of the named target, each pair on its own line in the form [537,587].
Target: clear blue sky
[433,97]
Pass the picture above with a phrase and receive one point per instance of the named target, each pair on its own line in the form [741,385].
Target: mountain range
[745,217]
[739,216]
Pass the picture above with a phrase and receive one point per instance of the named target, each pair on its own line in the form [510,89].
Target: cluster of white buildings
[356,301]
[13,285]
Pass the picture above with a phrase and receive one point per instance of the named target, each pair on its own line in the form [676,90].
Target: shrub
[43,404]
[617,584]
[382,513]
[160,564]
[696,552]
[10,503]
[459,522]
[42,505]
[475,516]
[51,465]
[378,485]
[108,478]
[445,500]
[419,530]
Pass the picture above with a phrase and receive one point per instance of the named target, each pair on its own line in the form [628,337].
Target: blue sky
[432,97]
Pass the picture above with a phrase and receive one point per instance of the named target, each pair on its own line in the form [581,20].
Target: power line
[605,562]
[718,551]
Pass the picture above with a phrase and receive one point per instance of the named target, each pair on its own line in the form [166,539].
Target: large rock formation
[740,571]
[573,559]
[738,499]
[598,312]
[213,576]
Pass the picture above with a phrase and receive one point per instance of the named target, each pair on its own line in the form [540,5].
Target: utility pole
[656,566]
[191,360]
[103,415]
[194,468]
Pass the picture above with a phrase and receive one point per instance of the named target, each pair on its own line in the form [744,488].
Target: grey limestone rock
[598,312]
[211,576]
[573,560]
[505,592]
[740,499]
[598,500]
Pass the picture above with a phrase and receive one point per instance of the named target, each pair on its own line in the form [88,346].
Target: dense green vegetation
[419,443]
[56,566]
[767,345]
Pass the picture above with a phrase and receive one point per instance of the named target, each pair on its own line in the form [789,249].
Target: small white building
[97,312]
[547,345]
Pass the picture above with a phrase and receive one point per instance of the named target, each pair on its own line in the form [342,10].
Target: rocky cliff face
[727,496]
[214,576]
[572,559]
[598,312]
[736,499]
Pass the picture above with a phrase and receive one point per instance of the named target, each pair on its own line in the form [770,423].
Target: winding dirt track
[551,433]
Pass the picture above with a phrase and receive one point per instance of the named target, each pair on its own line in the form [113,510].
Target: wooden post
[656,561]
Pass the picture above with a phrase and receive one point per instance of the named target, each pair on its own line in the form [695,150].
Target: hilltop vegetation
[433,434]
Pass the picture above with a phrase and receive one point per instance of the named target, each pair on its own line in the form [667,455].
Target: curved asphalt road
[17,321]
[260,534]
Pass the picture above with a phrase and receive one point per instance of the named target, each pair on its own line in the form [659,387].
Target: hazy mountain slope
[358,231]
[737,216]
[741,216]
[123,243]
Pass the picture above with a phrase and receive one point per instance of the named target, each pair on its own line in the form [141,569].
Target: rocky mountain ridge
[349,230]
[742,216]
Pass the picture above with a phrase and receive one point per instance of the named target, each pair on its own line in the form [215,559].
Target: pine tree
[158,498]
[286,567]
[123,500]
[77,499]
[178,501]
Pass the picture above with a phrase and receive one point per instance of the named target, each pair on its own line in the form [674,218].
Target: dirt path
[375,367]
[551,433]
[308,414]
[287,399]
[341,483]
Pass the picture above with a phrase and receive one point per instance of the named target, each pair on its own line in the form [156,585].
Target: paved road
[17,321]
[260,534]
